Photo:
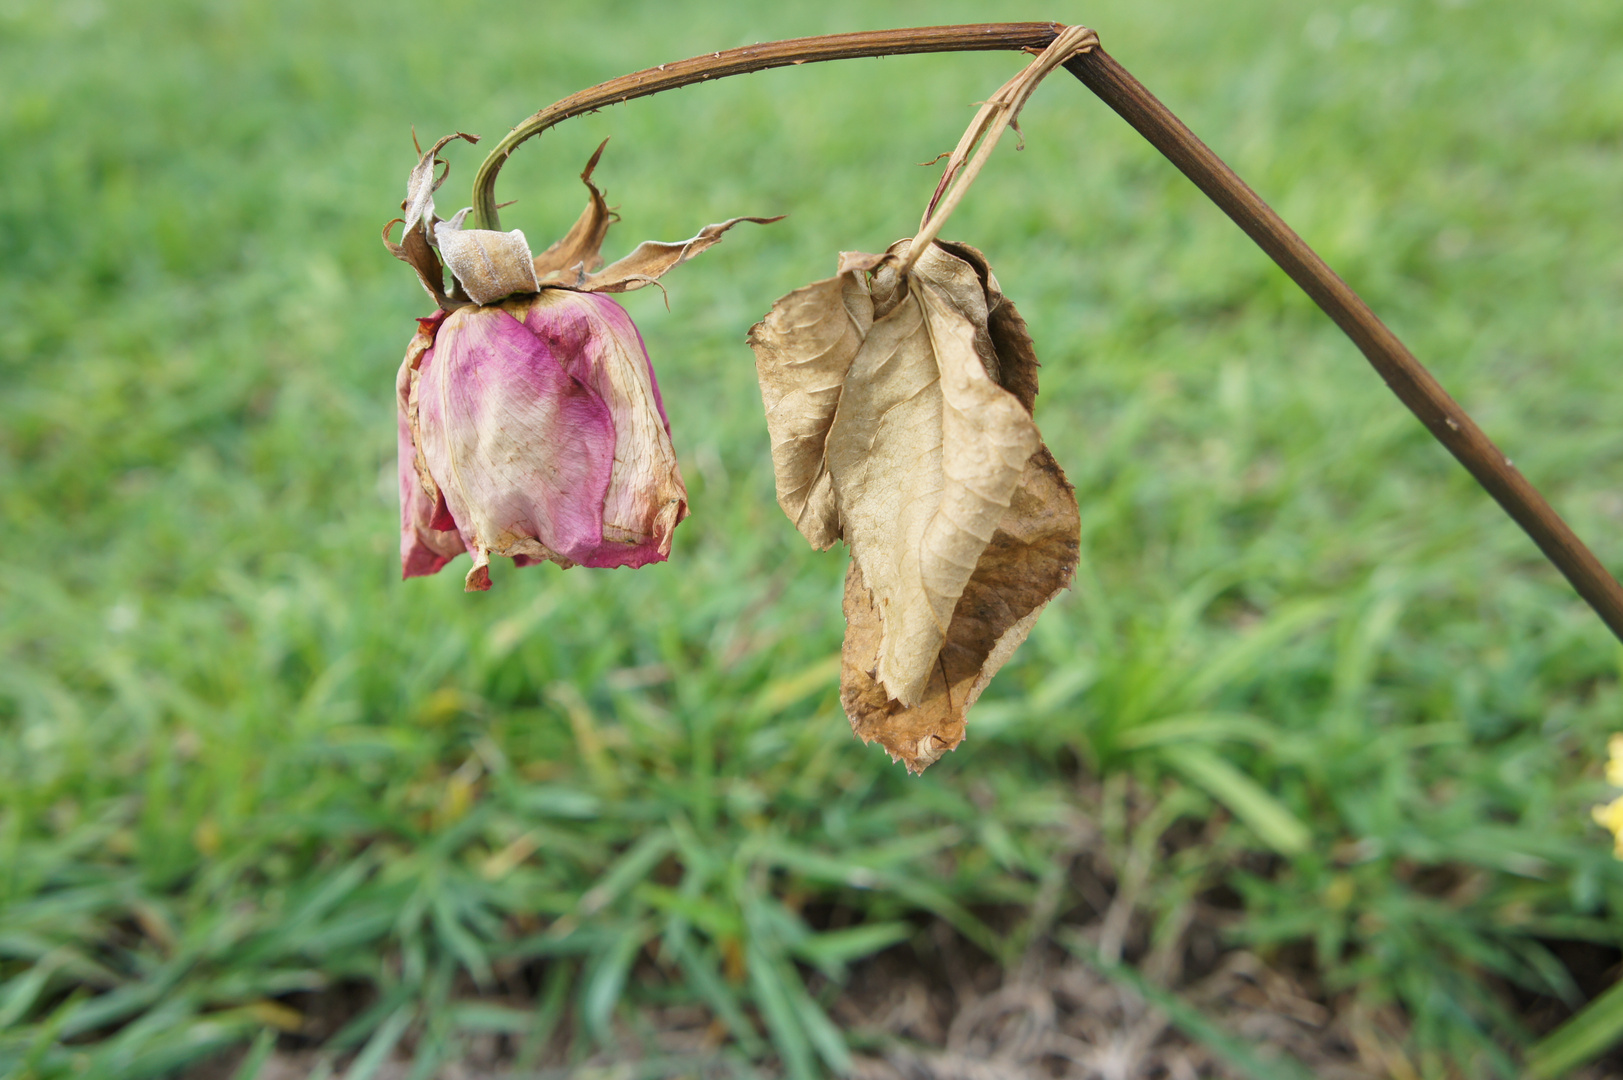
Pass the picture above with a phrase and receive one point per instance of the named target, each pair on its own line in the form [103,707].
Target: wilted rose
[536,425]
[530,422]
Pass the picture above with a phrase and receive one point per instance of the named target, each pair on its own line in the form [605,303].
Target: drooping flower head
[530,421]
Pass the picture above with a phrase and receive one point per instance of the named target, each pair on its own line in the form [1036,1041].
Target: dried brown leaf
[899,405]
[1029,561]
[925,453]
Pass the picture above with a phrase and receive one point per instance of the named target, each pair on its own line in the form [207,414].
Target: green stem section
[1403,374]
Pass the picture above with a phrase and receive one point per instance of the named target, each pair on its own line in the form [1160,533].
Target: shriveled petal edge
[424,549]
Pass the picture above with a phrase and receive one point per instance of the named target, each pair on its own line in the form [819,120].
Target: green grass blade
[17,997]
[635,864]
[257,1055]
[715,992]
[455,936]
[549,1010]
[1593,1031]
[1247,654]
[832,950]
[606,980]
[45,1038]
[1199,727]
[782,1019]
[1274,825]
[378,1048]
[827,1039]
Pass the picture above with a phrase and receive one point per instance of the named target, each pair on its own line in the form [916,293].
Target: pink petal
[597,343]
[523,452]
[425,545]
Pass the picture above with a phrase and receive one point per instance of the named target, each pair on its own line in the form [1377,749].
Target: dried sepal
[415,252]
[490,265]
[422,183]
[416,244]
[651,259]
[578,251]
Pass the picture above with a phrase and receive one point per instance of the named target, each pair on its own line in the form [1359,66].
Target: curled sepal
[415,248]
[422,183]
[415,252]
[577,252]
[489,265]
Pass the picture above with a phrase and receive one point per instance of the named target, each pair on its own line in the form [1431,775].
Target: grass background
[241,762]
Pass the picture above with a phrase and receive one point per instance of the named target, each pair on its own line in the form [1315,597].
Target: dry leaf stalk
[995,116]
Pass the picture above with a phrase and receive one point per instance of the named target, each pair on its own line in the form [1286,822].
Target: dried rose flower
[530,422]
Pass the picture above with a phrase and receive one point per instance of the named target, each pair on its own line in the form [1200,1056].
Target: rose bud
[530,421]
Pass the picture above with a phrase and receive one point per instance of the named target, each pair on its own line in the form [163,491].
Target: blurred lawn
[240,760]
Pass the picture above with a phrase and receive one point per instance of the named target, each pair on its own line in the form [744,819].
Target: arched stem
[1403,374]
[987,37]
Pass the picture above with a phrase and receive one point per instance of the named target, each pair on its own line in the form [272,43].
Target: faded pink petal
[540,424]
[521,450]
[598,344]
[424,549]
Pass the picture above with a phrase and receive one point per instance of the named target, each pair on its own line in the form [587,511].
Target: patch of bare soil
[959,1018]
[955,1016]
[1062,1016]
